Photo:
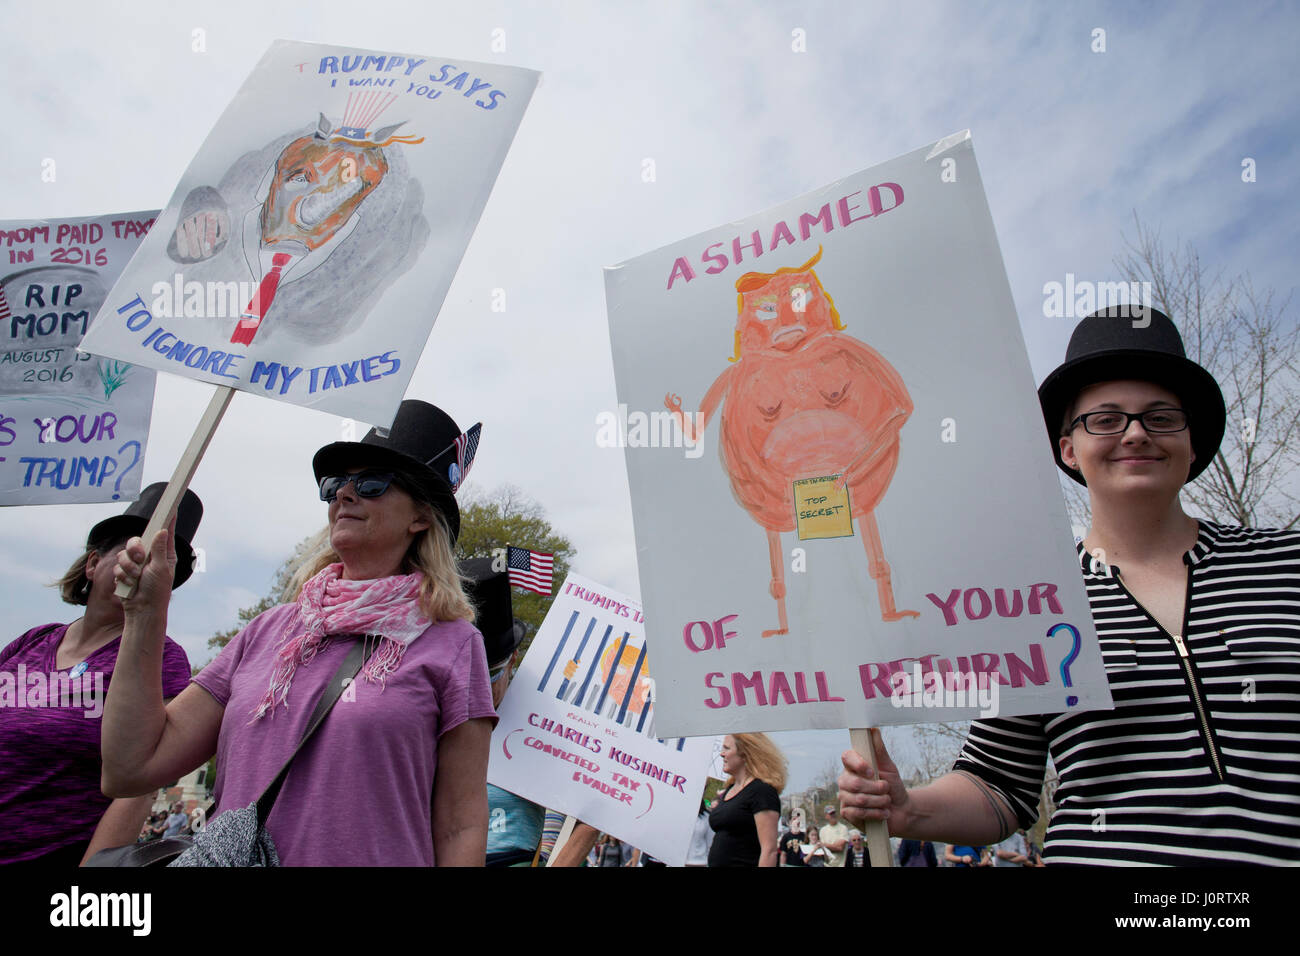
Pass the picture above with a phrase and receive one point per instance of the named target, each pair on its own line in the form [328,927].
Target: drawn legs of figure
[777,587]
[878,569]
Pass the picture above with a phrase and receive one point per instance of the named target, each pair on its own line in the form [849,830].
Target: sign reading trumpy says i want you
[577,727]
[873,531]
[310,243]
[73,426]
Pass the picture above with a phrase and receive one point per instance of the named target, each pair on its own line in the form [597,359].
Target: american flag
[466,446]
[530,569]
[4,304]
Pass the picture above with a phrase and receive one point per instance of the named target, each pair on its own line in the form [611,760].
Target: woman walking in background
[745,817]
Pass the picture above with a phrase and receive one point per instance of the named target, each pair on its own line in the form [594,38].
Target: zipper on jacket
[1189,672]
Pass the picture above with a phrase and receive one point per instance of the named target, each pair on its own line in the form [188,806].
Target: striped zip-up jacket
[1199,762]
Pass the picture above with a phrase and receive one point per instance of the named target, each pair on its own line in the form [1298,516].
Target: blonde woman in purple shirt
[396,775]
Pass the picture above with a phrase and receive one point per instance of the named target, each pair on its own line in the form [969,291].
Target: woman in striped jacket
[1199,625]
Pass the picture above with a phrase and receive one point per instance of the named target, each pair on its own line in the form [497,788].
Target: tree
[1252,348]
[489,522]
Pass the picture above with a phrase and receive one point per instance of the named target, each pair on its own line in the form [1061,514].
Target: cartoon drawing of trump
[308,207]
[803,401]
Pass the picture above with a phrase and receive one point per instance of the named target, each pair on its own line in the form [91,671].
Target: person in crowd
[967,856]
[697,854]
[50,800]
[613,852]
[793,839]
[515,825]
[177,821]
[744,819]
[855,854]
[407,742]
[834,836]
[814,851]
[917,853]
[1013,851]
[1187,767]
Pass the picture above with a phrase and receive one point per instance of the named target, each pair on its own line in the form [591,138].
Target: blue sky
[1071,145]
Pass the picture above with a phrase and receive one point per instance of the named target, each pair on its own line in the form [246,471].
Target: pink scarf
[387,608]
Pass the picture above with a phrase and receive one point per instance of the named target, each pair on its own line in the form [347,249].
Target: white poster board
[309,245]
[577,727]
[73,427]
[841,484]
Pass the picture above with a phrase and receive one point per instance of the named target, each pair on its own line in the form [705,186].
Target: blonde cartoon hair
[753,281]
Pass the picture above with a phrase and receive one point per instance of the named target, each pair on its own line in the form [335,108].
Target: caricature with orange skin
[622,676]
[804,400]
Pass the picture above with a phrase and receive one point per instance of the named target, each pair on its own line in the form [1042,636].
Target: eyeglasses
[1157,421]
[368,484]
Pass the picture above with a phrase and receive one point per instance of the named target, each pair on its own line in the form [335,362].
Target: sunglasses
[368,484]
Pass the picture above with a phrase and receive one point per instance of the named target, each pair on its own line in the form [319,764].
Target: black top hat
[133,521]
[421,443]
[489,592]
[1114,345]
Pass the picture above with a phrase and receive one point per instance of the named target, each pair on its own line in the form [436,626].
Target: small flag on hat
[530,569]
[466,446]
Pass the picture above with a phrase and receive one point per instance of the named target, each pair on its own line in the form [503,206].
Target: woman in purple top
[397,773]
[53,680]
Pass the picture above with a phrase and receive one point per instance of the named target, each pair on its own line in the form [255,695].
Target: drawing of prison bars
[614,682]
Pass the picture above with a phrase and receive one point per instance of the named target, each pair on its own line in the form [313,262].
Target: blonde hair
[753,281]
[763,759]
[442,592]
[74,586]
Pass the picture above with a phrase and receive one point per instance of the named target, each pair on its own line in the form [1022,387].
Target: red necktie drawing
[257,308]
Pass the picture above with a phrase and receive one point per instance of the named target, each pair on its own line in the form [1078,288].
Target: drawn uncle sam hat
[424,443]
[362,109]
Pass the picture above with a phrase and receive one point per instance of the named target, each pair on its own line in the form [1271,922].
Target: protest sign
[73,427]
[577,727]
[845,506]
[309,245]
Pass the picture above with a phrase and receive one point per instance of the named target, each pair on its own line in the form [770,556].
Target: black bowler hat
[1116,344]
[489,592]
[422,442]
[132,522]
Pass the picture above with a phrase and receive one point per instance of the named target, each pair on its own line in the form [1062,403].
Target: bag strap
[356,659]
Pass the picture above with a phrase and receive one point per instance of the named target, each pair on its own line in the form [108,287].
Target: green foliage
[491,521]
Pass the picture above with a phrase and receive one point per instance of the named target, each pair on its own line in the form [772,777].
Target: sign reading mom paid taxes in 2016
[310,243]
[847,513]
[73,426]
[577,727]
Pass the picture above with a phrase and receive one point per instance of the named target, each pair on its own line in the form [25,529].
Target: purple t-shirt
[360,793]
[49,740]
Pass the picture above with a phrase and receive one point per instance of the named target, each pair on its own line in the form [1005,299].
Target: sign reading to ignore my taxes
[310,243]
[577,727]
[851,515]
[73,427]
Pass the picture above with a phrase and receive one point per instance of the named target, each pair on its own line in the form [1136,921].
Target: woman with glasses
[1199,626]
[396,774]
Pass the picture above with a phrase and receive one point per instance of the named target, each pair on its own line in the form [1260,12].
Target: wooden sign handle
[876,832]
[185,468]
